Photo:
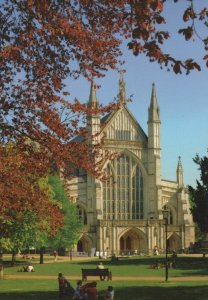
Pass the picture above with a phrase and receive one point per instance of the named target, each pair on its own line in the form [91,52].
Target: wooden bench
[102,273]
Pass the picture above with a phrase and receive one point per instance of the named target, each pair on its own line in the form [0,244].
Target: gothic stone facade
[125,213]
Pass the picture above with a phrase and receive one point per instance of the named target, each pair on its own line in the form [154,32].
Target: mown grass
[134,266]
[41,289]
[30,288]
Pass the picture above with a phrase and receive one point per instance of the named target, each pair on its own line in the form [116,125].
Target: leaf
[187,32]
[177,68]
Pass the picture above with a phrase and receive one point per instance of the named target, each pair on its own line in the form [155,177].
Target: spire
[179,167]
[154,110]
[179,172]
[93,102]
[122,90]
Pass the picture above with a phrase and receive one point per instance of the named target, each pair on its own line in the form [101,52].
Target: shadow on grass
[166,291]
[187,263]
[29,295]
[192,266]
[124,261]
[185,266]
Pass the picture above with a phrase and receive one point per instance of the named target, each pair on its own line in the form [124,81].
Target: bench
[102,273]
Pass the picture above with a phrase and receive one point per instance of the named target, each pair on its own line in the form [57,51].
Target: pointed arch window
[123,191]
[82,214]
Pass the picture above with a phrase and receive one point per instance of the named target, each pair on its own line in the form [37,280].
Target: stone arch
[132,241]
[136,159]
[84,244]
[130,154]
[174,242]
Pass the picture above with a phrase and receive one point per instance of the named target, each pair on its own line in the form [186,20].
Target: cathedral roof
[108,120]
[79,139]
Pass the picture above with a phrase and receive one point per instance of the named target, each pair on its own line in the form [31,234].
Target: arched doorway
[84,244]
[174,242]
[79,246]
[122,244]
[133,241]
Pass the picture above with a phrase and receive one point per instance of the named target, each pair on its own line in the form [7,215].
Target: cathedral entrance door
[84,244]
[79,246]
[133,241]
[174,243]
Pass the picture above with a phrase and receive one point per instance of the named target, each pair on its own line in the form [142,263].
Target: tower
[122,90]
[93,119]
[154,155]
[93,185]
[179,173]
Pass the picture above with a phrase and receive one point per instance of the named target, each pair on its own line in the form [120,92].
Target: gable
[122,126]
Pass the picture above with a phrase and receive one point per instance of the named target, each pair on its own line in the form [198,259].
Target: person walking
[55,254]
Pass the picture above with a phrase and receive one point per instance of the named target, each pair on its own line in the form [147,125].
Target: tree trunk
[41,255]
[13,257]
[1,256]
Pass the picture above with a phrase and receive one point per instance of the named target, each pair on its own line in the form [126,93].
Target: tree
[199,195]
[29,212]
[22,233]
[22,188]
[68,235]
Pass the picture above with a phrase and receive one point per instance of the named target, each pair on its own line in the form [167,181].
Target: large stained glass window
[123,190]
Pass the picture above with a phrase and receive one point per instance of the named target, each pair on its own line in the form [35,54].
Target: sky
[183,99]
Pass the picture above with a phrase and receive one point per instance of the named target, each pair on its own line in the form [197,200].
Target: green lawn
[139,266]
[16,289]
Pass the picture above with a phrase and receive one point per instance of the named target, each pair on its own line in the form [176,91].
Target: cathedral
[135,210]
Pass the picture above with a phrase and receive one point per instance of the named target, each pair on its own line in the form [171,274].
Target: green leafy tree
[21,232]
[25,228]
[199,195]
[69,233]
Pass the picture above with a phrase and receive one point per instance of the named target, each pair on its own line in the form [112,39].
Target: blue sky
[183,99]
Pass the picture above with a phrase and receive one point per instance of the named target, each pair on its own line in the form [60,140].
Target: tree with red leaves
[27,203]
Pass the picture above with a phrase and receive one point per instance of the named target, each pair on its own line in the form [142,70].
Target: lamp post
[165,217]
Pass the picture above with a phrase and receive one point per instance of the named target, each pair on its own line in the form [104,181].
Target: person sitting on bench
[101,267]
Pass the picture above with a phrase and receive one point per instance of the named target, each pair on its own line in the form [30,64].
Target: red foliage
[20,190]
